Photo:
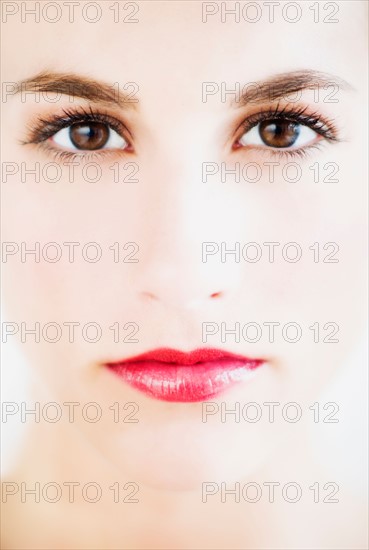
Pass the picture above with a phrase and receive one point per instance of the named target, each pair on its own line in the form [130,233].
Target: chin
[182,457]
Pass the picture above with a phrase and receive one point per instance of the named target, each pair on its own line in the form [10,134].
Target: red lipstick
[171,375]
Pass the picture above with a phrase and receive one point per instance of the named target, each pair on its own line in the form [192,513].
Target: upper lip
[183,358]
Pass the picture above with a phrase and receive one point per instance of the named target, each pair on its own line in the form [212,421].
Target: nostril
[216,295]
[149,296]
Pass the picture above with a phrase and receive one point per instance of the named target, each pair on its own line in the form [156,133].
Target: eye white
[252,137]
[62,138]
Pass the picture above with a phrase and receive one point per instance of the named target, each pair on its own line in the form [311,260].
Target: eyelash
[325,128]
[46,128]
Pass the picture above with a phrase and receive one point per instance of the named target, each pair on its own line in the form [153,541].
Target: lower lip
[185,383]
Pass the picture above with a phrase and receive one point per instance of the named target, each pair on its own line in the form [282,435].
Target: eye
[89,136]
[279,133]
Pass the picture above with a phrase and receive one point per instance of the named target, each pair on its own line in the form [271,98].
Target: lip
[184,377]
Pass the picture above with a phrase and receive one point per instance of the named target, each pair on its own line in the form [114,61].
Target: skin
[170,292]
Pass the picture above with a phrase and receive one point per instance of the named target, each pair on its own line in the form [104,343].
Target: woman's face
[186,169]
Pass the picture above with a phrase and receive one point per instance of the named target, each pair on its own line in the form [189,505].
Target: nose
[184,214]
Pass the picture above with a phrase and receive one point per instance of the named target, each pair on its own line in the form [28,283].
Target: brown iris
[279,133]
[90,136]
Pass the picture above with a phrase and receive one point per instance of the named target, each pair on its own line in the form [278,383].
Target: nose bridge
[175,200]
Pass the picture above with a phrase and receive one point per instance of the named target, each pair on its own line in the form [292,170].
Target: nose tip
[178,286]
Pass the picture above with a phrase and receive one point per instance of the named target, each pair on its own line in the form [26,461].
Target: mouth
[184,377]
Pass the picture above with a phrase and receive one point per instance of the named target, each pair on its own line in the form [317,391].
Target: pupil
[90,136]
[279,133]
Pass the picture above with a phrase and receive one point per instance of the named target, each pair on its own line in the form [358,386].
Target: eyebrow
[271,89]
[81,87]
[280,85]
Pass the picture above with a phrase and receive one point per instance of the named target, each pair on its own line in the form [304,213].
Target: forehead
[178,44]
